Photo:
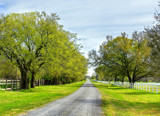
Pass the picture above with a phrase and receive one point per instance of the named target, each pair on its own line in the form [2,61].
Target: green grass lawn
[13,103]
[118,101]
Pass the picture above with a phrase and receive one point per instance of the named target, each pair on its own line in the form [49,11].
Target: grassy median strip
[118,101]
[12,103]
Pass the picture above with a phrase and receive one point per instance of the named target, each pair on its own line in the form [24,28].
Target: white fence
[149,87]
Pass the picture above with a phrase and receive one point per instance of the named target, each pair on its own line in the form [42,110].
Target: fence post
[146,87]
[6,84]
[35,82]
[132,85]
[11,84]
[139,86]
[153,88]
[16,85]
[136,86]
[149,88]
[157,89]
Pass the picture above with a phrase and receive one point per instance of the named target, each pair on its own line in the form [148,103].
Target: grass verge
[13,103]
[118,101]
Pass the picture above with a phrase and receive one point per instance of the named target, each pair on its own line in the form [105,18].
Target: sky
[92,20]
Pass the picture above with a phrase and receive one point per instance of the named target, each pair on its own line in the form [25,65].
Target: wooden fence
[149,87]
[39,82]
[11,85]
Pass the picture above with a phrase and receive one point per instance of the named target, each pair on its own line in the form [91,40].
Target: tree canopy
[153,34]
[123,57]
[33,40]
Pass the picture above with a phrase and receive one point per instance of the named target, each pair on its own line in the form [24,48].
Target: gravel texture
[84,102]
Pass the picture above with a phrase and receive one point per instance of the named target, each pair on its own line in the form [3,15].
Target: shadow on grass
[70,86]
[131,92]
[79,85]
[138,93]
[108,86]
[126,107]
[117,88]
[60,86]
[151,108]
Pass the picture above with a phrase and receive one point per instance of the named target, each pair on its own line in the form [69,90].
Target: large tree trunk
[24,79]
[123,80]
[38,83]
[115,78]
[130,80]
[54,81]
[33,80]
[58,81]
[133,79]
[66,80]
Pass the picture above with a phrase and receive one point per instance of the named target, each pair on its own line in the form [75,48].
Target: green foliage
[123,57]
[153,34]
[103,73]
[36,43]
[93,77]
[7,69]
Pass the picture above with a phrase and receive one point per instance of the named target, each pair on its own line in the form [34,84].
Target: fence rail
[11,85]
[149,87]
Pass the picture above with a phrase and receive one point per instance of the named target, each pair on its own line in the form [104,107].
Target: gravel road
[84,102]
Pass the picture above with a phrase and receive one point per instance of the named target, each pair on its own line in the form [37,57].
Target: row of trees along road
[120,57]
[135,58]
[40,47]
